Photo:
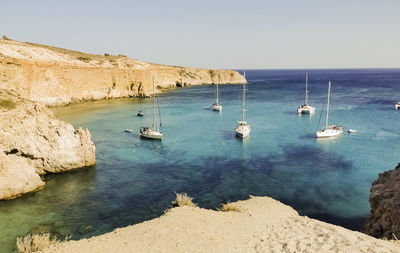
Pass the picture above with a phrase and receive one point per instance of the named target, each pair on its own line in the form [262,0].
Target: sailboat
[397,106]
[330,130]
[216,106]
[152,132]
[242,130]
[306,108]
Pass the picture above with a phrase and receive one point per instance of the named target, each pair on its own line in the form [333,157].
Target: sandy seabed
[261,224]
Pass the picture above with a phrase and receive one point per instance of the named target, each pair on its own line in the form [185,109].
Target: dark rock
[384,219]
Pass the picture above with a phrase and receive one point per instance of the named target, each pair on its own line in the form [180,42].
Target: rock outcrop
[56,76]
[384,198]
[34,142]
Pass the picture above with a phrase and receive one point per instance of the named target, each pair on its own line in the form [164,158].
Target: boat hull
[242,131]
[397,106]
[306,110]
[150,134]
[326,133]
[217,107]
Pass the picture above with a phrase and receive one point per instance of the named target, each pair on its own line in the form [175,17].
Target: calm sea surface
[135,180]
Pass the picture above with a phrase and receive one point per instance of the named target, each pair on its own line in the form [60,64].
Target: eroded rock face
[384,198]
[17,176]
[54,76]
[33,142]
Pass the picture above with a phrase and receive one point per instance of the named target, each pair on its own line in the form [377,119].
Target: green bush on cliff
[8,104]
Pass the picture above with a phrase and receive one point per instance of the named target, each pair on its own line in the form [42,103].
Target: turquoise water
[135,180]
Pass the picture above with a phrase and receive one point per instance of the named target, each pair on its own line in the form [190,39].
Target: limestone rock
[384,219]
[56,76]
[17,176]
[33,142]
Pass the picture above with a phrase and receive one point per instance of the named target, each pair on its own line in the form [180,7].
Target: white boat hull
[306,109]
[326,133]
[397,106]
[242,131]
[151,134]
[217,107]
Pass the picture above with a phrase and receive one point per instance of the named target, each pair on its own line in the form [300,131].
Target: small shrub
[182,199]
[8,104]
[212,73]
[35,242]
[106,54]
[229,207]
[83,58]
[5,37]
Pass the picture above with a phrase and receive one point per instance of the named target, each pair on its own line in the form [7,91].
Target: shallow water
[135,180]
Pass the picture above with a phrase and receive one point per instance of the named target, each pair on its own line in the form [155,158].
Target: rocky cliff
[56,76]
[34,142]
[384,198]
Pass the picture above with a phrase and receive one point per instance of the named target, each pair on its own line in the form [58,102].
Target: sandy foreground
[262,224]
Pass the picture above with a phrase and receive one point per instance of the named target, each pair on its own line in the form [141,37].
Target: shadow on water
[309,136]
[228,135]
[88,205]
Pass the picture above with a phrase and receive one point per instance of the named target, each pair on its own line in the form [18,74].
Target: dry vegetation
[229,207]
[182,199]
[35,242]
[8,104]
[77,54]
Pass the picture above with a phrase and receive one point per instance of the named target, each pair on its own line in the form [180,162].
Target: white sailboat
[330,130]
[216,106]
[152,132]
[242,130]
[397,106]
[306,108]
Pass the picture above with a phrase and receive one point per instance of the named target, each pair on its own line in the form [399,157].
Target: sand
[262,224]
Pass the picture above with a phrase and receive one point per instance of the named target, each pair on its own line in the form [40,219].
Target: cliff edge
[384,198]
[56,76]
[33,142]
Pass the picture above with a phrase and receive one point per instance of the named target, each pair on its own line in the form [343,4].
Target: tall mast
[306,88]
[217,95]
[327,108]
[244,95]
[154,107]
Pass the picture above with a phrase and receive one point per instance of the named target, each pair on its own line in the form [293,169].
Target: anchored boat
[242,130]
[153,132]
[306,108]
[330,130]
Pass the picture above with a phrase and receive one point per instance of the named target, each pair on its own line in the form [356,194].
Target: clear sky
[216,34]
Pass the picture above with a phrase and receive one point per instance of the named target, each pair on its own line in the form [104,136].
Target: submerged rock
[34,142]
[384,198]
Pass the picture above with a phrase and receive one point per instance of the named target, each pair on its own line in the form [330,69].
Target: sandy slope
[262,225]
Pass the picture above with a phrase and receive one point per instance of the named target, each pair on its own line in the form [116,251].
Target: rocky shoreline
[384,219]
[56,76]
[33,142]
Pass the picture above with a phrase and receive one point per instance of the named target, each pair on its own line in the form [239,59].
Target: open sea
[135,179]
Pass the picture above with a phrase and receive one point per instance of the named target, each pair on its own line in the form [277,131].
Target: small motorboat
[397,106]
[140,114]
[352,131]
[128,130]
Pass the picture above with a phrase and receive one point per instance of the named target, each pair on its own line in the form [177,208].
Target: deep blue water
[135,180]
